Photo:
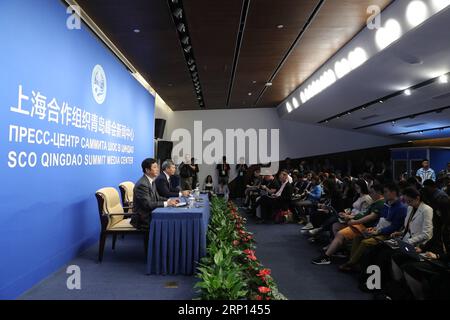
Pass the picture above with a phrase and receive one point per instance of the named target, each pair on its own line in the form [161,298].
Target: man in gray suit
[146,197]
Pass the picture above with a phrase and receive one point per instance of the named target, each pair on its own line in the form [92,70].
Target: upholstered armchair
[126,191]
[114,221]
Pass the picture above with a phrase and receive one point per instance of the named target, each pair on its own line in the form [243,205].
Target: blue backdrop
[49,212]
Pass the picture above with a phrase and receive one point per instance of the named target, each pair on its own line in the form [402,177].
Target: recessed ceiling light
[136,30]
[443,78]
[250,93]
[416,13]
[254,81]
[407,92]
[381,101]
[268,84]
[280,26]
[288,107]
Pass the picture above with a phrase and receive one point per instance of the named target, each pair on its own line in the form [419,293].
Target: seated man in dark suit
[163,182]
[279,200]
[146,197]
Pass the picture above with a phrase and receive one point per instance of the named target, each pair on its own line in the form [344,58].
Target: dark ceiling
[312,32]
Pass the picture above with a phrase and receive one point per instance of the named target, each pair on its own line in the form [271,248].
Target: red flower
[251,257]
[259,298]
[249,252]
[249,237]
[264,290]
[264,272]
[236,243]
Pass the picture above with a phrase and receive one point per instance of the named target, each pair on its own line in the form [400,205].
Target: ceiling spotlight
[269,84]
[326,121]
[421,132]
[407,92]
[280,26]
[381,101]
[393,123]
[250,93]
[136,30]
[349,113]
[191,61]
[192,68]
[254,81]
[181,27]
[188,49]
[443,78]
[199,98]
[178,13]
[185,40]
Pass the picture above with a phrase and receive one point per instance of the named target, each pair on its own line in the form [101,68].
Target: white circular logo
[99,84]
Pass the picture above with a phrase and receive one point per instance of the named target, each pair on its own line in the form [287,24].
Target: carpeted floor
[122,273]
[288,253]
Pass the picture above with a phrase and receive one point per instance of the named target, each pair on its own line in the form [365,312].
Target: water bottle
[197,192]
[191,201]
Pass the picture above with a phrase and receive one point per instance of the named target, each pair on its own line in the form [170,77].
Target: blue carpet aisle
[282,249]
[120,276]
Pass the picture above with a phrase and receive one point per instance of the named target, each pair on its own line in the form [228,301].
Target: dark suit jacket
[285,198]
[164,188]
[144,202]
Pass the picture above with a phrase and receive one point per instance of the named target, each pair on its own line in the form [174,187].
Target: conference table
[177,239]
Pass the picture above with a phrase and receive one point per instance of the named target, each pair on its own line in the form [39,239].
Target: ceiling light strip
[385,98]
[288,53]
[242,24]
[420,131]
[411,116]
[179,19]
[104,38]
[394,28]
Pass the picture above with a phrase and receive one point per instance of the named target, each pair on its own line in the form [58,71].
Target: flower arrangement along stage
[231,271]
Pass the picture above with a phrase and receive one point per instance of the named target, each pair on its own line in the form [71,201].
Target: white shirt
[168,180]
[279,192]
[167,176]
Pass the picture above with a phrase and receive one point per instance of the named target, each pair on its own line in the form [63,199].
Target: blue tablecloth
[178,239]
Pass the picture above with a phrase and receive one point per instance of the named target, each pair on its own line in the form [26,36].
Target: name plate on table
[181,204]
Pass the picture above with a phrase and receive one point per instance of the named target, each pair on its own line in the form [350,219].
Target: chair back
[126,191]
[109,202]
